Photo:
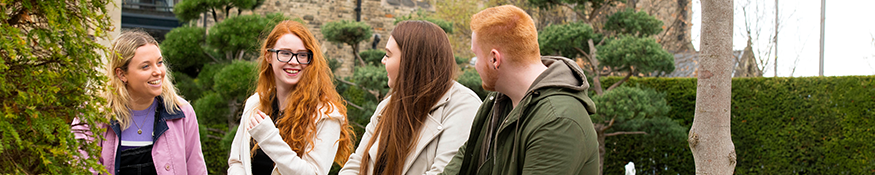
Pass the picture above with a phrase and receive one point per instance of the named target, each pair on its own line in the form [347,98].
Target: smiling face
[392,60]
[287,74]
[145,73]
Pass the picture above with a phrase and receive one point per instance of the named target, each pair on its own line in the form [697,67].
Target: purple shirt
[145,121]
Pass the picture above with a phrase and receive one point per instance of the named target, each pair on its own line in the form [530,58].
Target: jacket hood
[557,75]
[565,74]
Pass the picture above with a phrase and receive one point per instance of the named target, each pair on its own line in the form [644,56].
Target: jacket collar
[160,120]
[160,127]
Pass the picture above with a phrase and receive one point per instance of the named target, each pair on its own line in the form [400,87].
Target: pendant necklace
[139,130]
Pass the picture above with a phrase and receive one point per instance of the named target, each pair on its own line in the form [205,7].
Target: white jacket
[444,131]
[317,161]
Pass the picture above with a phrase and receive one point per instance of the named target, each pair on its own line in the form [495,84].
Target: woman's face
[145,73]
[287,74]
[392,60]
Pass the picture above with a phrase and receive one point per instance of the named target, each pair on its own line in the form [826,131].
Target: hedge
[811,125]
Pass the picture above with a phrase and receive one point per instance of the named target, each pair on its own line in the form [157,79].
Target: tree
[625,47]
[348,32]
[48,76]
[587,9]
[423,16]
[373,57]
[710,138]
[188,10]
[183,49]
[236,38]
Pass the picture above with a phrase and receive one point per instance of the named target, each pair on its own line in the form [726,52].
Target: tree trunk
[600,134]
[710,137]
[232,115]
[355,52]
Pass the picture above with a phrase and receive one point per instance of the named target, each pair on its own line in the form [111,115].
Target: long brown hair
[312,93]
[426,72]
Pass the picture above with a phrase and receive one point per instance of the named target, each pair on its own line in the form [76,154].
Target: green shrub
[240,34]
[49,74]
[812,125]
[471,79]
[215,153]
[236,81]
[373,57]
[182,49]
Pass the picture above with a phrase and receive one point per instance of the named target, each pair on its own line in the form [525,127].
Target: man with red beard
[537,120]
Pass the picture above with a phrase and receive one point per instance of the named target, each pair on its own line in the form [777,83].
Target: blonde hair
[508,29]
[117,96]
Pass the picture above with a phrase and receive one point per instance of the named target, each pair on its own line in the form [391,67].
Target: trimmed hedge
[811,125]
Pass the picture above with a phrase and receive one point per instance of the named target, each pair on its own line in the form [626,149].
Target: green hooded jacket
[549,132]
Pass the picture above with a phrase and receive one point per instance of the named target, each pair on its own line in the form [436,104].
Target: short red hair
[508,29]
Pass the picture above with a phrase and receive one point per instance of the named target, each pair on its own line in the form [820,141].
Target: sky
[849,48]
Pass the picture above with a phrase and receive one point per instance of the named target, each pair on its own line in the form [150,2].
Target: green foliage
[215,151]
[447,26]
[240,34]
[205,77]
[348,32]
[373,57]
[629,103]
[48,76]
[567,40]
[462,61]
[578,5]
[471,79]
[188,10]
[187,86]
[812,125]
[333,64]
[236,81]
[645,55]
[373,78]
[211,109]
[629,22]
[182,49]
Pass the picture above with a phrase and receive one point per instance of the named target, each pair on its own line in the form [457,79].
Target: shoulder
[185,106]
[330,111]
[253,100]
[459,91]
[557,107]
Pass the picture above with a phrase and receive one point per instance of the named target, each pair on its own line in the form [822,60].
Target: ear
[120,74]
[496,58]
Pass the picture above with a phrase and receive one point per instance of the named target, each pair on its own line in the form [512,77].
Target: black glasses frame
[277,52]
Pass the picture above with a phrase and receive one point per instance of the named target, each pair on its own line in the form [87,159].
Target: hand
[254,120]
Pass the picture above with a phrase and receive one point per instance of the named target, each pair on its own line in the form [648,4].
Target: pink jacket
[176,148]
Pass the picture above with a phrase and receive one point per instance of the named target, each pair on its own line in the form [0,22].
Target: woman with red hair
[295,122]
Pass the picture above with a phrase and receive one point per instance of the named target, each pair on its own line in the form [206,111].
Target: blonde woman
[151,130]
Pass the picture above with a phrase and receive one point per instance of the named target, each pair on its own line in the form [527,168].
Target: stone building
[379,14]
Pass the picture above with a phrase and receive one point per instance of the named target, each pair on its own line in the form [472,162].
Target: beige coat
[317,160]
[445,130]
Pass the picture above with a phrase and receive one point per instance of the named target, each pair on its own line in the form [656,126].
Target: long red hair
[312,93]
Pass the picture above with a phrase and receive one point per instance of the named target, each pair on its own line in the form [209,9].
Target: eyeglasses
[285,56]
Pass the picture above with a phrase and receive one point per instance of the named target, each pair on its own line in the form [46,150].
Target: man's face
[484,65]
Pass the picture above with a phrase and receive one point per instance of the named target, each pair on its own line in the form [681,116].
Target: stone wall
[379,14]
